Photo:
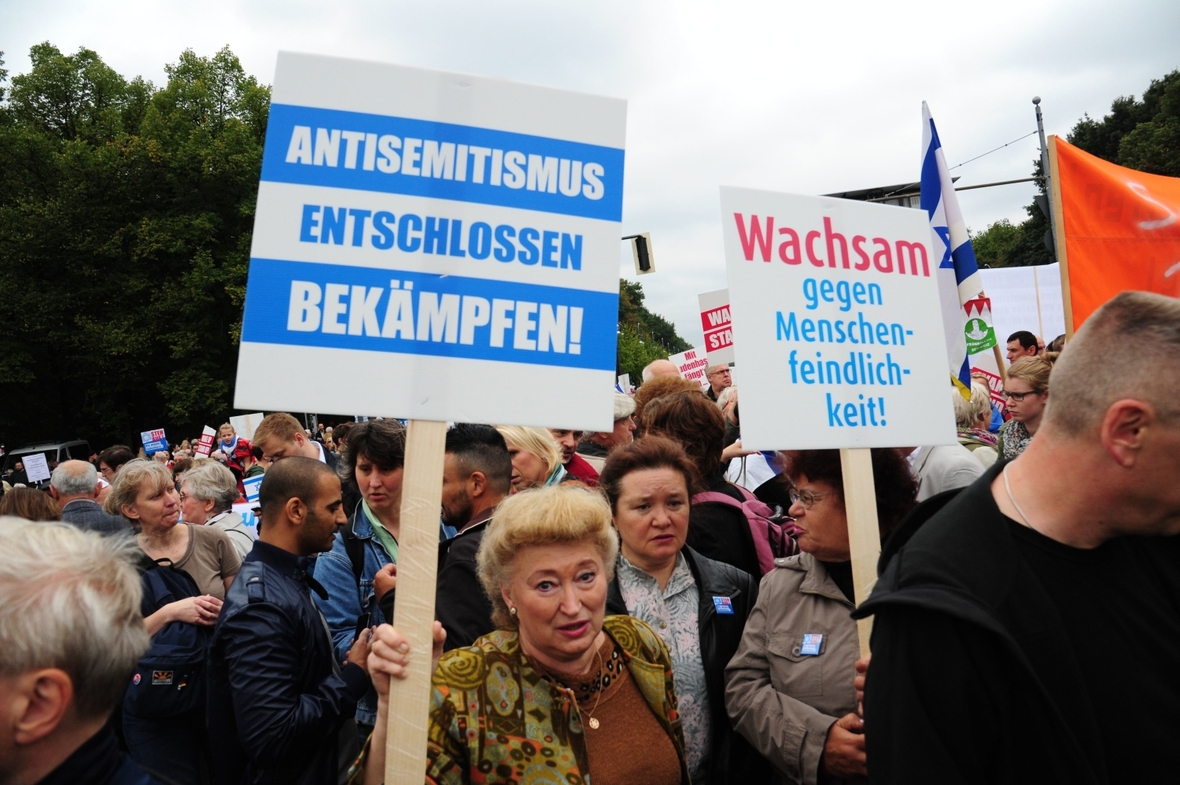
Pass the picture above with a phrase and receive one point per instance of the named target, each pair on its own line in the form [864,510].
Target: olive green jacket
[495,719]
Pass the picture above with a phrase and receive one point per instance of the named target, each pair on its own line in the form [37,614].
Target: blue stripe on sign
[368,152]
[339,307]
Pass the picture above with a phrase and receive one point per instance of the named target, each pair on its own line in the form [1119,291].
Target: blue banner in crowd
[339,307]
[367,152]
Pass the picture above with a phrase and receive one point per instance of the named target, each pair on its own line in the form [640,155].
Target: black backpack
[170,677]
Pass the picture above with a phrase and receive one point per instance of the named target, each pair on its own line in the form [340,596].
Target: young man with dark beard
[477,476]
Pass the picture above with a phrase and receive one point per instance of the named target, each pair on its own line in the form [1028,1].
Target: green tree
[1138,134]
[1143,135]
[994,244]
[643,336]
[125,220]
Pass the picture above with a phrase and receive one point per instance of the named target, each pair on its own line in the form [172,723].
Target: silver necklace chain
[1011,498]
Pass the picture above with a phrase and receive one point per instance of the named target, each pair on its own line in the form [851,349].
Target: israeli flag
[958,273]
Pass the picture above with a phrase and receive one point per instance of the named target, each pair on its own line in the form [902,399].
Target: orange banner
[1122,230]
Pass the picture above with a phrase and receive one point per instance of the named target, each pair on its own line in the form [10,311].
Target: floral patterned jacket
[494,719]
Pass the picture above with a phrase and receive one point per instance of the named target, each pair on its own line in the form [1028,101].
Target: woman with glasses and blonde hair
[789,689]
[1027,391]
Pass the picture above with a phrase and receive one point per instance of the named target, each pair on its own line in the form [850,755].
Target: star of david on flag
[957,273]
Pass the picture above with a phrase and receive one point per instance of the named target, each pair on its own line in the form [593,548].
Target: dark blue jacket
[349,597]
[88,514]
[277,702]
[99,762]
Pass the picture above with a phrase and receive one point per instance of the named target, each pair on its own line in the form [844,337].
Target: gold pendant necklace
[594,723]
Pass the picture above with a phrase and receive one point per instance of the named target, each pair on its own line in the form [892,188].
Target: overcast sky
[808,98]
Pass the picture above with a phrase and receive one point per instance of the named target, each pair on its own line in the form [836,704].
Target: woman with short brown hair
[717,530]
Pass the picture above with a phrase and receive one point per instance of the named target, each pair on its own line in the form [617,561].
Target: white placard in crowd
[716,325]
[205,446]
[36,467]
[244,424]
[693,365]
[427,245]
[836,322]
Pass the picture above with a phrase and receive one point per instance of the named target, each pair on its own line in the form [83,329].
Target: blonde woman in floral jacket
[560,693]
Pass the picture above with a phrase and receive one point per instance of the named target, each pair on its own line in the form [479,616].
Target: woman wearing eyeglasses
[1027,392]
[789,689]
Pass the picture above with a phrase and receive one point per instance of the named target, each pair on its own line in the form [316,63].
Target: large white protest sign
[716,325]
[443,241]
[836,323]
[693,365]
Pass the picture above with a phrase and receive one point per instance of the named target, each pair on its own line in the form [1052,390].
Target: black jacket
[973,679]
[732,759]
[279,708]
[722,533]
[460,602]
[99,762]
[593,449]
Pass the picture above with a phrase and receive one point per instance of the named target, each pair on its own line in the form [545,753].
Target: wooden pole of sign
[1059,235]
[864,535]
[413,611]
[996,349]
[1000,362]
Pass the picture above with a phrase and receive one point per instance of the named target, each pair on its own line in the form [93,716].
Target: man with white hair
[74,486]
[657,368]
[720,377]
[596,446]
[71,635]
[1025,629]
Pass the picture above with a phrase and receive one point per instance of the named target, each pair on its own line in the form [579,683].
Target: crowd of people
[649,604]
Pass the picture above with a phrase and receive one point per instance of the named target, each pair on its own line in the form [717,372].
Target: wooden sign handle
[409,698]
[1000,363]
[864,536]
[1058,213]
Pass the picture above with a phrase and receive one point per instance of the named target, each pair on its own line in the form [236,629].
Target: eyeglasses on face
[1018,396]
[806,497]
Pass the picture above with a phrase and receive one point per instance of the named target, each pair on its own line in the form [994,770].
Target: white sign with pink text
[693,365]
[836,323]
